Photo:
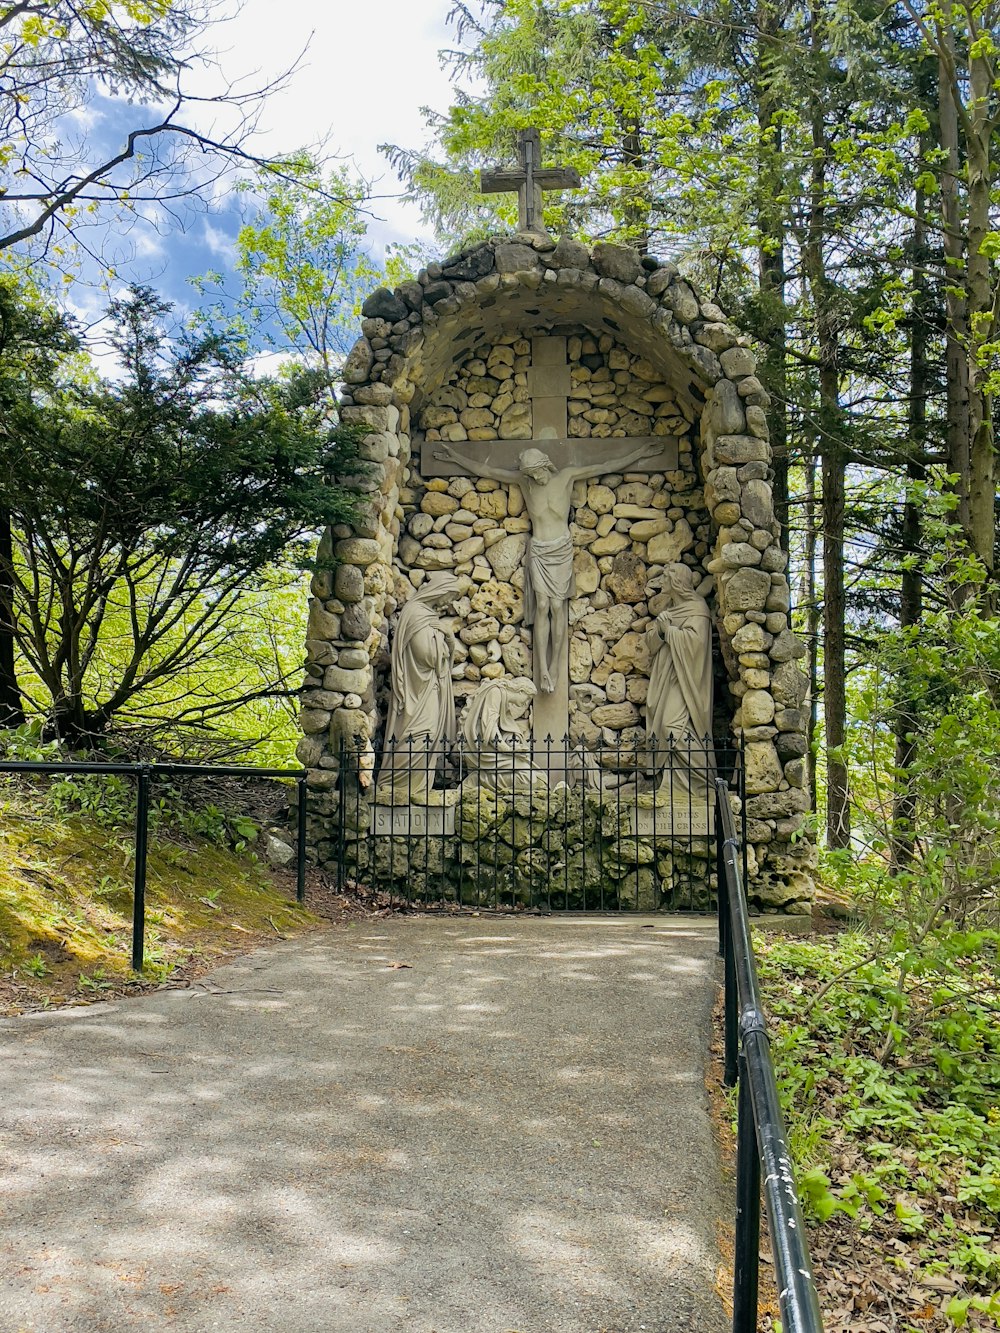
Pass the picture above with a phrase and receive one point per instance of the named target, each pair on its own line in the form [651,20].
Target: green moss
[66,903]
[562,850]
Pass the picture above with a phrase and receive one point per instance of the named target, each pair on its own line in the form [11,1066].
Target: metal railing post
[731,1008]
[341,816]
[762,1144]
[744,849]
[145,773]
[300,842]
[730,998]
[141,848]
[721,888]
[747,1265]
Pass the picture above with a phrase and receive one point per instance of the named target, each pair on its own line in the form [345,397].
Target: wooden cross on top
[529,181]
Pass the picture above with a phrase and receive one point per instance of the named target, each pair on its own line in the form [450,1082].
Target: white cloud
[84,117]
[148,245]
[368,70]
[269,363]
[218,242]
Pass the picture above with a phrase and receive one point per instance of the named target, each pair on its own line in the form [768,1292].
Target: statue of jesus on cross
[548,572]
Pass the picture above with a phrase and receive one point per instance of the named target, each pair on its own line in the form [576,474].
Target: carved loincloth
[548,568]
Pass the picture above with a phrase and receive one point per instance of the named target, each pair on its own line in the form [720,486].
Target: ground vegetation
[888,1068]
[66,885]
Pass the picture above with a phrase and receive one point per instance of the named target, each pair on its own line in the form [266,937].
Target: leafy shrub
[888,1057]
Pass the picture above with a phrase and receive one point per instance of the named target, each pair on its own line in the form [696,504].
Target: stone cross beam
[529,181]
[549,388]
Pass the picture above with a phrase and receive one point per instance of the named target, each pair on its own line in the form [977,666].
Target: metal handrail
[762,1143]
[144,775]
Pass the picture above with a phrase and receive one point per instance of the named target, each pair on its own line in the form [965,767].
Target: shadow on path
[509,1134]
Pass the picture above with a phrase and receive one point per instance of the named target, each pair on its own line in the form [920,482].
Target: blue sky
[364,73]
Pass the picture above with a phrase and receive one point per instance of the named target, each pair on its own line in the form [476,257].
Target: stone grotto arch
[453,356]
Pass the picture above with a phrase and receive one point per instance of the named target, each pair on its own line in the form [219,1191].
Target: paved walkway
[506,1135]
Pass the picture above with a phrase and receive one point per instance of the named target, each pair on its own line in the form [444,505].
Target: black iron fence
[532,824]
[145,775]
[762,1145]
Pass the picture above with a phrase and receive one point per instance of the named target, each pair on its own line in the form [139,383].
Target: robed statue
[679,701]
[496,748]
[421,723]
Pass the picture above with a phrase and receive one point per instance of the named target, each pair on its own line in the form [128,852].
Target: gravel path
[446,1125]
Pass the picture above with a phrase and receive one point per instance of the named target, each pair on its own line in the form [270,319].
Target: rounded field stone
[361,551]
[355,623]
[348,583]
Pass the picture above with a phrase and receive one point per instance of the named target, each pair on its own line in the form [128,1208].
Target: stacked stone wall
[625,528]
[646,358]
[577,852]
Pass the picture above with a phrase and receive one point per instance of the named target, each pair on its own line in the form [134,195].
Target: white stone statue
[422,706]
[679,702]
[548,573]
[496,744]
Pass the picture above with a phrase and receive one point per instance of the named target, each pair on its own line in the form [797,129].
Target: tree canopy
[144,509]
[61,62]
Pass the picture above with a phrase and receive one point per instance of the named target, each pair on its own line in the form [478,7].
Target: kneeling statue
[496,747]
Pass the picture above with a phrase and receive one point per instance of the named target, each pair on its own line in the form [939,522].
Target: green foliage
[302,265]
[943,675]
[150,511]
[26,743]
[108,801]
[593,76]
[888,1059]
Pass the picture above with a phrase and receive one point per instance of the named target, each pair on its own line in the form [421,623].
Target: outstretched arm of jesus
[446,454]
[611,463]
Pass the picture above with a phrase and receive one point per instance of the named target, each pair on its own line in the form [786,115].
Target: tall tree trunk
[810,602]
[957,326]
[838,810]
[773,278]
[907,720]
[833,482]
[982,317]
[11,708]
[636,210]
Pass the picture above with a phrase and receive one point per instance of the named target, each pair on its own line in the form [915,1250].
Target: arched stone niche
[447,357]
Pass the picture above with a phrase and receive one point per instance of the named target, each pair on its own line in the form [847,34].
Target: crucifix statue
[546,476]
[529,181]
[548,562]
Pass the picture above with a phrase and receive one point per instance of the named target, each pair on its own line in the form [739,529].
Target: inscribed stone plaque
[678,822]
[413,821]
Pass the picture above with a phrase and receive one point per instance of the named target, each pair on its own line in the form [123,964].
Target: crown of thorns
[529,459]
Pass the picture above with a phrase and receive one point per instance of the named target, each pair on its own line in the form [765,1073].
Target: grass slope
[66,901]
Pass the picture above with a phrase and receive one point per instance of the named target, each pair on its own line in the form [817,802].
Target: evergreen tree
[152,503]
